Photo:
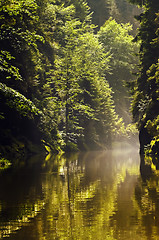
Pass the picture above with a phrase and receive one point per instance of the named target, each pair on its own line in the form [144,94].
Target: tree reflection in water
[94,195]
[147,200]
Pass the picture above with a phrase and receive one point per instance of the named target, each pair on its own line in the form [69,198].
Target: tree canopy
[53,71]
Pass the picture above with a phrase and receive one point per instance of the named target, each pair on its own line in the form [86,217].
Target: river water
[93,195]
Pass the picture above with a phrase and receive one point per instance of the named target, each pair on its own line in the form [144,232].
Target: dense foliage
[53,70]
[146,95]
[48,66]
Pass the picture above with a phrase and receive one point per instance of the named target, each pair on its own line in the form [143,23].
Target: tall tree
[80,67]
[118,43]
[146,104]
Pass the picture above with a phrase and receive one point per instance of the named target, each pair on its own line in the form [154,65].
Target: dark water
[96,195]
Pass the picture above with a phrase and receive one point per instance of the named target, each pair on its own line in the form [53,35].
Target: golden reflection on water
[94,195]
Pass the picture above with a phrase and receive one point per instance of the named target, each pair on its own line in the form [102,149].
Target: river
[93,195]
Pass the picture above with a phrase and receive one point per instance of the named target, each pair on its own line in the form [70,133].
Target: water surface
[94,195]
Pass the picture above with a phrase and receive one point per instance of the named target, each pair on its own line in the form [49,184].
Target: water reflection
[94,195]
[147,199]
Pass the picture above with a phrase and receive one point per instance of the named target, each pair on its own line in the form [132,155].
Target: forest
[77,77]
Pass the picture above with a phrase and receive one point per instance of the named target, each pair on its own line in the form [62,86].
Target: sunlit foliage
[118,43]
[53,65]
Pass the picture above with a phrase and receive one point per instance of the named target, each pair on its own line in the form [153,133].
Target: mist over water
[93,195]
